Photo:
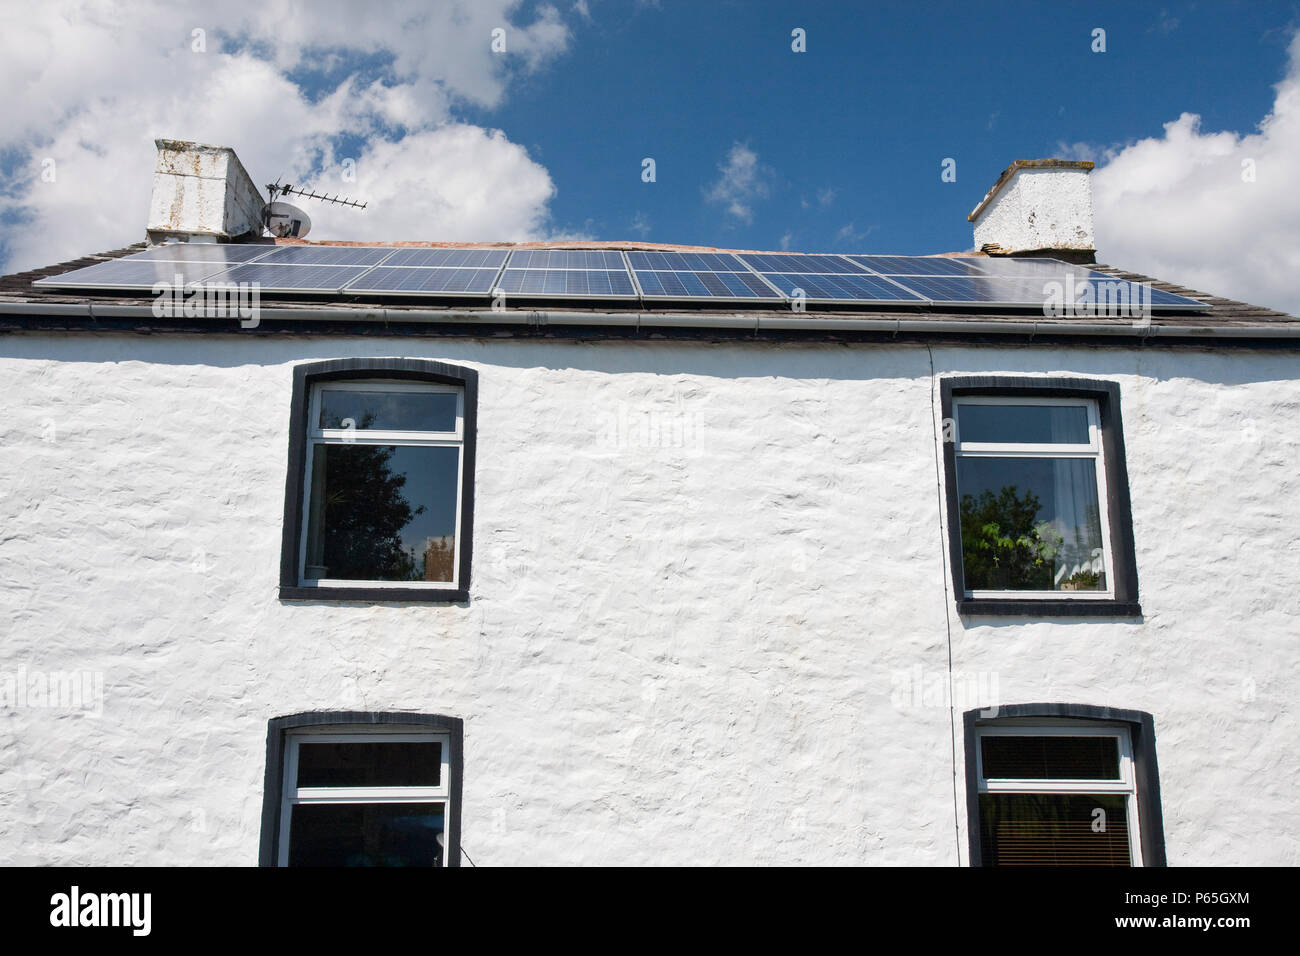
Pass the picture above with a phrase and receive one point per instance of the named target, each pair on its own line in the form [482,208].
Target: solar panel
[1018,268]
[697,275]
[132,273]
[566,259]
[449,258]
[858,288]
[416,281]
[567,283]
[204,252]
[272,277]
[329,255]
[917,265]
[795,263]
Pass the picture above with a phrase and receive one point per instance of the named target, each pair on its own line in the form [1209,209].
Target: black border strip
[349,720]
[1119,504]
[306,376]
[1146,771]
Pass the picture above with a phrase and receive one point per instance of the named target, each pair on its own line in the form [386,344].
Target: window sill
[1013,607]
[364,595]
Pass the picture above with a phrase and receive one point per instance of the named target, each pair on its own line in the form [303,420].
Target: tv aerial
[286,221]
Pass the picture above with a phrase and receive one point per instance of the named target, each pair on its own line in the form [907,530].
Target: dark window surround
[1123,560]
[1146,773]
[346,721]
[307,376]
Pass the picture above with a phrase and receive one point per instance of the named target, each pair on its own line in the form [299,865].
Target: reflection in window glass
[1024,424]
[366,834]
[382,512]
[391,411]
[370,764]
[1030,524]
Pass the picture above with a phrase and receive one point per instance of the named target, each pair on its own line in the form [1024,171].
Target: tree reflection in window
[369,521]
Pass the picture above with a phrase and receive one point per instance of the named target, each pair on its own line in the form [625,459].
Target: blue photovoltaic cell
[449,258]
[1110,295]
[132,273]
[281,278]
[977,289]
[203,252]
[414,280]
[791,263]
[567,282]
[701,285]
[696,275]
[918,266]
[328,255]
[858,287]
[566,259]
[1033,269]
[685,262]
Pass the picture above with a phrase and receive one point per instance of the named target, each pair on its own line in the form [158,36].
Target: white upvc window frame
[316,435]
[1125,785]
[1091,450]
[293,795]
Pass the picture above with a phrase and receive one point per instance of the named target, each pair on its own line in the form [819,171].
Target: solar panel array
[567,274]
[698,275]
[915,281]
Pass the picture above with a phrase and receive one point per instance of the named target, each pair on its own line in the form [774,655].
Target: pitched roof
[23,306]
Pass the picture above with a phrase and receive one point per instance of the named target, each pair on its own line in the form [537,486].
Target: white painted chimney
[1038,206]
[202,194]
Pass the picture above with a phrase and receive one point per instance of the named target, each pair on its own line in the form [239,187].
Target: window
[362,790]
[1046,788]
[379,503]
[1038,508]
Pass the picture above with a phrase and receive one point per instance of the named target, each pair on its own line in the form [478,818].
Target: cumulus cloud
[296,87]
[1216,211]
[743,180]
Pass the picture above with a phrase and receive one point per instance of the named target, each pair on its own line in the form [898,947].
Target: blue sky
[838,148]
[883,94]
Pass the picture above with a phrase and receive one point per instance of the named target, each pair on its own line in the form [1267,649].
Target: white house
[708,557]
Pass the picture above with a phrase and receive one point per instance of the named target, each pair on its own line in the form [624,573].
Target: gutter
[1029,328]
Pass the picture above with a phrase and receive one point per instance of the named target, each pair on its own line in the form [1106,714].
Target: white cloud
[742,182]
[1176,206]
[91,84]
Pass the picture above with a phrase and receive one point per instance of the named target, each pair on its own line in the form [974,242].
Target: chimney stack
[202,194]
[1038,207]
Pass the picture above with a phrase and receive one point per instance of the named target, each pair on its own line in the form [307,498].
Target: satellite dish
[286,222]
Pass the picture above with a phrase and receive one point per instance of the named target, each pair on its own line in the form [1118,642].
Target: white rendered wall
[705,577]
[1039,209]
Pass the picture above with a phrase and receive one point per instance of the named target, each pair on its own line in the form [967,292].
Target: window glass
[369,764]
[382,512]
[1023,424]
[1030,524]
[367,834]
[1054,829]
[1020,757]
[388,410]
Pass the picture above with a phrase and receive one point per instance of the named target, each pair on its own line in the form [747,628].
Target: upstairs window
[1038,498]
[383,469]
[1031,491]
